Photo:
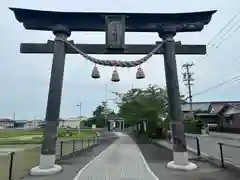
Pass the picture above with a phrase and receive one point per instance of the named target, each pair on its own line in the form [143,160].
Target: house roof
[196,106]
[211,106]
[6,120]
[217,107]
[232,109]
[222,107]
[206,114]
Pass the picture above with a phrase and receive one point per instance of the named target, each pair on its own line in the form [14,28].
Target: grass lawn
[4,166]
[24,160]
[17,133]
[35,136]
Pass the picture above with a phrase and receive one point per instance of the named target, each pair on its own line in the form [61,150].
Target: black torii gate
[115,25]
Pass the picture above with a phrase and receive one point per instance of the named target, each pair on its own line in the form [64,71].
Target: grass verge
[4,167]
[23,161]
[83,134]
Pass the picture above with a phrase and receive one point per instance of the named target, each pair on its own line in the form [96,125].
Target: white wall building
[70,122]
[33,124]
[6,123]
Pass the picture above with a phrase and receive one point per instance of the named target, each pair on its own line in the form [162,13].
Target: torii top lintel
[95,21]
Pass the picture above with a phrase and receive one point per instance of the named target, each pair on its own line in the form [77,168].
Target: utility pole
[187,78]
[105,104]
[106,110]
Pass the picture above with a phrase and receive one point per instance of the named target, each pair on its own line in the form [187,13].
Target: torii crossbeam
[115,25]
[131,49]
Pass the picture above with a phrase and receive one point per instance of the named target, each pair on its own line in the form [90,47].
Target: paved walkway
[121,160]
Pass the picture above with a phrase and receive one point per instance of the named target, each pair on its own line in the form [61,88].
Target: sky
[24,78]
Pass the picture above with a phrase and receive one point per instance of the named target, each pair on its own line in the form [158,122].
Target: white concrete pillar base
[180,162]
[37,171]
[46,166]
[188,167]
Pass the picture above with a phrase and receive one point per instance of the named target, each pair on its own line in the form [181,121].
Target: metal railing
[227,155]
[16,165]
[195,143]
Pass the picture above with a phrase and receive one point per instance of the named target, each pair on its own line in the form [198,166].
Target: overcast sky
[24,78]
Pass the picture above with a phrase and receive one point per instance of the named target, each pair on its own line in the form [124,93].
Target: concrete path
[121,160]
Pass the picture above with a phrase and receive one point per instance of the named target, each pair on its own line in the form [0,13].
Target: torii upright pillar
[48,151]
[180,155]
[167,25]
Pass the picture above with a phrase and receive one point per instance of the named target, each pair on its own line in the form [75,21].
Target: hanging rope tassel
[115,76]
[140,74]
[95,73]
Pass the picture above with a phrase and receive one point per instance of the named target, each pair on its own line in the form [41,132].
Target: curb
[212,160]
[225,137]
[214,135]
[217,162]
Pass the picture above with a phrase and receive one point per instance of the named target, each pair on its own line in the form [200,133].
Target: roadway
[209,146]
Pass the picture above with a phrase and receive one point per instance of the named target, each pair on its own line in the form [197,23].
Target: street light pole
[14,115]
[80,114]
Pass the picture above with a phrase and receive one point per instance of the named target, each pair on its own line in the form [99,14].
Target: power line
[221,30]
[229,35]
[234,79]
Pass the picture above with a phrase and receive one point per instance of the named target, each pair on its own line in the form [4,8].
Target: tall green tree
[148,104]
[98,116]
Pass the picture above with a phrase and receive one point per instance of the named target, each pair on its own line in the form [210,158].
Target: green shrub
[193,127]
[61,134]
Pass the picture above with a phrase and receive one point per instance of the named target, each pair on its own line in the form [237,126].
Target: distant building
[6,123]
[225,114]
[33,124]
[19,124]
[196,107]
[73,122]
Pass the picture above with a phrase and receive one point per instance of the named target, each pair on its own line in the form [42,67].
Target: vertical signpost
[115,25]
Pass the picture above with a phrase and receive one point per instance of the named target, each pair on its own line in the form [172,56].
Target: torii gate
[115,25]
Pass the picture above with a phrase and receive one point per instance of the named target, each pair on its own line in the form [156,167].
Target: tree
[147,104]
[98,117]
